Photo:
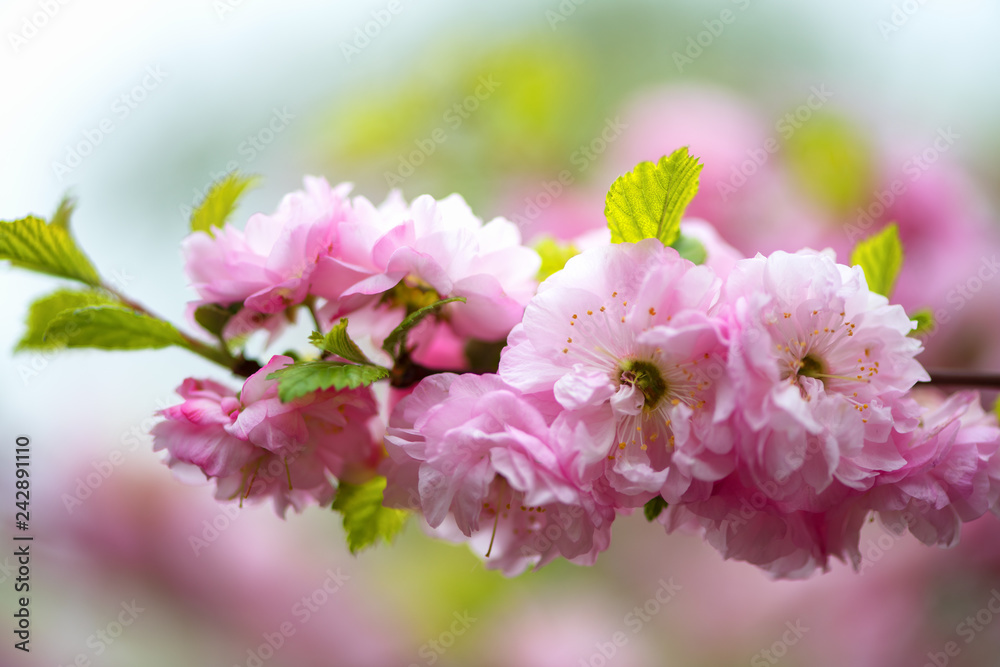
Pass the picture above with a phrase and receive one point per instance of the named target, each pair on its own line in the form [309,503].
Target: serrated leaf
[881,258]
[654,508]
[43,311]
[554,256]
[397,337]
[366,520]
[337,342]
[63,212]
[220,202]
[33,244]
[925,321]
[690,249]
[304,377]
[648,202]
[111,327]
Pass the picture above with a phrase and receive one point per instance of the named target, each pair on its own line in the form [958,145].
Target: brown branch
[962,378]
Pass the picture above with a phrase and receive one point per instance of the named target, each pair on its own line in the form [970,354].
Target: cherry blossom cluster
[767,403]
[339,256]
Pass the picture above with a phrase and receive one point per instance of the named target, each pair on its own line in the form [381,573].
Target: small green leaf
[654,507]
[33,244]
[112,327]
[690,249]
[44,310]
[397,338]
[339,343]
[554,256]
[63,212]
[881,258]
[366,520]
[304,377]
[648,202]
[220,202]
[925,321]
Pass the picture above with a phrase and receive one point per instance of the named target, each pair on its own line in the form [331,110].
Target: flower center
[647,378]
[411,294]
[812,366]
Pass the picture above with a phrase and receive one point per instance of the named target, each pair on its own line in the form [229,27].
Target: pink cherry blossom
[483,465]
[744,523]
[820,366]
[268,265]
[625,333]
[397,254]
[255,446]
[951,476]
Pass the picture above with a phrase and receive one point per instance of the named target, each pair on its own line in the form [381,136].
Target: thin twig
[960,378]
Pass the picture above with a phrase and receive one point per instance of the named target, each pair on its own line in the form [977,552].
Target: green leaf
[365,519]
[339,343]
[648,202]
[44,310]
[554,256]
[881,258]
[654,507]
[63,212]
[690,249]
[925,321]
[220,202]
[112,327]
[304,377]
[33,244]
[397,338]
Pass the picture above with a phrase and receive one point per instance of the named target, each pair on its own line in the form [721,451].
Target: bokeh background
[818,123]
